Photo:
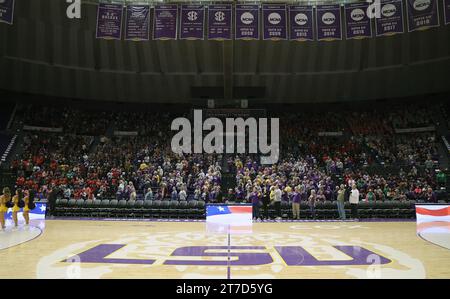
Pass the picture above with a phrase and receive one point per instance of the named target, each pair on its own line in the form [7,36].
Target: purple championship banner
[7,11]
[328,20]
[447,11]
[357,21]
[137,23]
[247,22]
[391,19]
[220,22]
[274,22]
[422,14]
[165,22]
[301,23]
[192,22]
[109,21]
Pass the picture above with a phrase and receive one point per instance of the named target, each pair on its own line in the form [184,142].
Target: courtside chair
[303,210]
[96,208]
[138,209]
[88,208]
[129,209]
[330,209]
[192,209]
[377,211]
[164,209]
[181,209]
[60,206]
[201,210]
[173,209]
[103,209]
[396,207]
[156,209]
[112,208]
[319,210]
[363,209]
[285,211]
[389,209]
[57,206]
[71,207]
[121,210]
[79,208]
[370,208]
[147,210]
[348,211]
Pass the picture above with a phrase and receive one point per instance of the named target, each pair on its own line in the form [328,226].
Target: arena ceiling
[44,52]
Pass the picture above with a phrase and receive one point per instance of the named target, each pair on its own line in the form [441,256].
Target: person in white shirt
[277,202]
[354,201]
[182,195]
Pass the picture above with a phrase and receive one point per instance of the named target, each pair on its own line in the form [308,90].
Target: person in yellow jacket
[272,194]
[16,208]
[3,208]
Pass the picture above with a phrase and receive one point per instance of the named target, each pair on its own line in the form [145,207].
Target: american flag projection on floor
[233,219]
[433,223]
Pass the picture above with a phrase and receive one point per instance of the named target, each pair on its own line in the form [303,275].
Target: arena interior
[359,188]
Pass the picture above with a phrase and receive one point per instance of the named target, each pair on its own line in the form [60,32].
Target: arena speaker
[244,104]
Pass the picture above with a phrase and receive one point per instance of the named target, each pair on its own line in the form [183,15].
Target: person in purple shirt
[431,196]
[296,203]
[254,197]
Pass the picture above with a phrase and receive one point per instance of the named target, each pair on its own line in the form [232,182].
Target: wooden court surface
[142,249]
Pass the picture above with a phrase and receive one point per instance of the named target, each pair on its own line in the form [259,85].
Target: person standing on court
[266,202]
[312,203]
[354,201]
[254,197]
[277,201]
[340,202]
[296,203]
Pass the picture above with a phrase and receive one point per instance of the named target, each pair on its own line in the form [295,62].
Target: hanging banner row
[276,21]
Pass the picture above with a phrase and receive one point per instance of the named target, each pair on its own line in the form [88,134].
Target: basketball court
[185,249]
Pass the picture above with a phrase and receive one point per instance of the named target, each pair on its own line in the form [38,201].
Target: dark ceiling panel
[46,53]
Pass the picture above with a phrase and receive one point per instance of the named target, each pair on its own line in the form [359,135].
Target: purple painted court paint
[244,259]
[229,256]
[98,254]
[297,256]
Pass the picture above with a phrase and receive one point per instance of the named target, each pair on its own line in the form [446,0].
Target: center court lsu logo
[271,255]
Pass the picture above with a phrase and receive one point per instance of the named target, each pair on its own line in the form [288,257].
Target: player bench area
[193,209]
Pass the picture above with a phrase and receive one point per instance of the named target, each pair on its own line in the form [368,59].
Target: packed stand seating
[300,136]
[51,159]
[143,167]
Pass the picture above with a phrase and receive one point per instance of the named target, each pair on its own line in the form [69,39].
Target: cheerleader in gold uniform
[16,208]
[26,208]
[3,209]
